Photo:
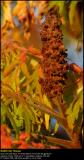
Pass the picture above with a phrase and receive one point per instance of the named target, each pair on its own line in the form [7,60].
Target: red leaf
[6,142]
[24,135]
[40,145]
[34,144]
[23,146]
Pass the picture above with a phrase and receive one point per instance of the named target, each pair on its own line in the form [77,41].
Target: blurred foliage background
[23,106]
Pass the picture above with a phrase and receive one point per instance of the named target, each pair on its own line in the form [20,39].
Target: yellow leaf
[56,127]
[72,11]
[74,18]
[17,36]
[21,7]
[46,101]
[34,63]
[24,69]
[7,16]
[47,118]
[23,17]
[70,121]
[10,68]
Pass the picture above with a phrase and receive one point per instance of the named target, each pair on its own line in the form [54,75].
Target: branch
[31,51]
[56,141]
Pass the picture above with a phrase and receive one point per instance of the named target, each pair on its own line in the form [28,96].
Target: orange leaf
[23,57]
[62,20]
[40,72]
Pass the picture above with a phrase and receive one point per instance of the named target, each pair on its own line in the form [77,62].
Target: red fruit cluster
[54,62]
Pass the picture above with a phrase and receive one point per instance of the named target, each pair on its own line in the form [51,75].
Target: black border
[56,154]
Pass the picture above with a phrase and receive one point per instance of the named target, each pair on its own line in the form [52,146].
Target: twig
[29,52]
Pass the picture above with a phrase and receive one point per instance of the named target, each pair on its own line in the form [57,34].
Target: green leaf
[3,113]
[46,101]
[9,115]
[70,88]
[35,79]
[74,109]
[60,4]
[34,63]
[18,114]
[27,122]
[28,117]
